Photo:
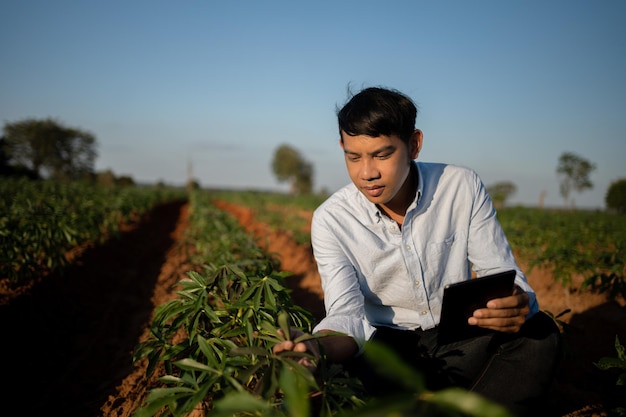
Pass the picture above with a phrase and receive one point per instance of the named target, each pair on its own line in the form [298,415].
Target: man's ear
[415,143]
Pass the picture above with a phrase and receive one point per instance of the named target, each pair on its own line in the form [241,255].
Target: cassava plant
[215,344]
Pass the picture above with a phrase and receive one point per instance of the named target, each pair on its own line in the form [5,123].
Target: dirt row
[67,344]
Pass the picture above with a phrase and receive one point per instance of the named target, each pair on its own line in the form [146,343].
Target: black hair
[377,111]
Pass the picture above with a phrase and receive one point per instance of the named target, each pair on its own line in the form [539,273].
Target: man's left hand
[506,314]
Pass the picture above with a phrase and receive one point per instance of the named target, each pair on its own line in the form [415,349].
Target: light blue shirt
[375,273]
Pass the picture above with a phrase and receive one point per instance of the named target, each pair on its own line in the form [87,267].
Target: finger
[511,324]
[300,347]
[486,313]
[283,346]
[517,300]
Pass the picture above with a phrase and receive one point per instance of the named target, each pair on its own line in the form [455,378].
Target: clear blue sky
[504,87]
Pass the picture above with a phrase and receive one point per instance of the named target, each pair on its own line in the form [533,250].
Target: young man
[388,243]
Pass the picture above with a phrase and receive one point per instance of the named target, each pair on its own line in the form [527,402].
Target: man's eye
[383,156]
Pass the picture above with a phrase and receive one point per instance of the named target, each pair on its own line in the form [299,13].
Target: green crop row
[212,346]
[571,243]
[41,221]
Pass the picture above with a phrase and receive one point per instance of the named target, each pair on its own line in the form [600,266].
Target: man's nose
[369,170]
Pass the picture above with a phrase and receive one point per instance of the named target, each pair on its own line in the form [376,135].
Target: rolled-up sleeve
[343,299]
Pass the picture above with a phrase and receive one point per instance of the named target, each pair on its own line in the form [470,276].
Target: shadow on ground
[68,344]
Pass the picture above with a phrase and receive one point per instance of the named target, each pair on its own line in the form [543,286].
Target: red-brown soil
[67,342]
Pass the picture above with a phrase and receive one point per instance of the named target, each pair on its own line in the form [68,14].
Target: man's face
[379,166]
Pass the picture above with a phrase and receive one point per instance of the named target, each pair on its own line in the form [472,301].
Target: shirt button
[408,247]
[417,283]
[424,312]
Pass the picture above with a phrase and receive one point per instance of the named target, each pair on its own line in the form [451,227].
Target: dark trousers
[514,370]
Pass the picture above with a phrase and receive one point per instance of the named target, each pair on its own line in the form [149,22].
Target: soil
[68,340]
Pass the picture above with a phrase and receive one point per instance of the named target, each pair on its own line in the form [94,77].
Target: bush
[616,196]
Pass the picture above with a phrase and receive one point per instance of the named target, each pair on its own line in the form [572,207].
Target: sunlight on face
[379,167]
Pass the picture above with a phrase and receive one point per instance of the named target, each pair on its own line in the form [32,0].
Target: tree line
[47,148]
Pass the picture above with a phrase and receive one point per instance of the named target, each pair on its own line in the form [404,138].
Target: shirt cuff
[359,329]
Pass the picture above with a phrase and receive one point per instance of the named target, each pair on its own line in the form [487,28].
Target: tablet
[462,298]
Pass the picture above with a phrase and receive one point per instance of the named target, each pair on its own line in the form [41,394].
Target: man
[388,243]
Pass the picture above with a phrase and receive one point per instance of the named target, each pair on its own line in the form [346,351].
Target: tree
[616,196]
[500,192]
[47,145]
[7,169]
[574,171]
[289,165]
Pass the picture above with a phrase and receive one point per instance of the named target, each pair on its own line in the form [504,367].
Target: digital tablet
[462,298]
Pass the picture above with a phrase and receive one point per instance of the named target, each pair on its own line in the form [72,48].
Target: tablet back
[462,298]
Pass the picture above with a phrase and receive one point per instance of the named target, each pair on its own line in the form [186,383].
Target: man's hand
[337,347]
[309,346]
[506,314]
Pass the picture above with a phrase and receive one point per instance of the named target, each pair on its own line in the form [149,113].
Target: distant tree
[616,196]
[574,171]
[8,169]
[500,192]
[192,184]
[289,165]
[125,181]
[109,179]
[47,145]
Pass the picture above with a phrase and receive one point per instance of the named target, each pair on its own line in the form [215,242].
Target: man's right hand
[309,346]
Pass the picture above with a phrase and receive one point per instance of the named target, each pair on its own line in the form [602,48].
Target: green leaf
[238,402]
[296,392]
[249,350]
[189,364]
[466,402]
[269,296]
[608,363]
[283,323]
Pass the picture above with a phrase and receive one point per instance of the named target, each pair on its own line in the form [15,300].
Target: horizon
[503,88]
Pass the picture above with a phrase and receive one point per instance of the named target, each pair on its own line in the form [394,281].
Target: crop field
[120,302]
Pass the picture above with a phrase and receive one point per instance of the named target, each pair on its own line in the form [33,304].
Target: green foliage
[616,196]
[289,165]
[590,244]
[41,221]
[64,152]
[215,339]
[574,171]
[618,363]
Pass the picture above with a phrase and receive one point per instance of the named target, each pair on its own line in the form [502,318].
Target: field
[69,339]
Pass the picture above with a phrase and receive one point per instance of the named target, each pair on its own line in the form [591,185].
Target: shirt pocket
[447,258]
[441,247]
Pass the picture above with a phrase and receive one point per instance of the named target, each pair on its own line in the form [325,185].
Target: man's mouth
[375,191]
